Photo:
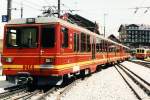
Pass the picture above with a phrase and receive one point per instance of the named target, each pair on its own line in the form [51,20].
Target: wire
[31,2]
[46,2]
[70,10]
[28,6]
[137,8]
[142,2]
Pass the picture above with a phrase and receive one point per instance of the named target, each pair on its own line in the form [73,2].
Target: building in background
[135,35]
[81,21]
[113,38]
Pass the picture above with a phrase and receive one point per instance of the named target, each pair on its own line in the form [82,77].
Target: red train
[48,50]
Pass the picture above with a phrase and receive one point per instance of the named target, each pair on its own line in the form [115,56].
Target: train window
[100,46]
[48,36]
[88,44]
[22,37]
[11,39]
[108,47]
[83,44]
[105,46]
[65,37]
[137,50]
[97,44]
[76,42]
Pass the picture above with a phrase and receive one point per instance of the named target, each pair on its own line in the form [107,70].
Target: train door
[107,50]
[93,48]
[48,43]
[76,45]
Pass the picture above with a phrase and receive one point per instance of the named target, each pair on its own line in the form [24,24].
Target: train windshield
[22,37]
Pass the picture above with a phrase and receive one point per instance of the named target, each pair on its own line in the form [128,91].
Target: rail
[46,94]
[137,81]
[130,86]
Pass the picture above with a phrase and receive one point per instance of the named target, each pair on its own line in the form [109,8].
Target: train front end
[141,53]
[29,51]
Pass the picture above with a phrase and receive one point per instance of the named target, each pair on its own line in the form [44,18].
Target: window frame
[48,26]
[65,37]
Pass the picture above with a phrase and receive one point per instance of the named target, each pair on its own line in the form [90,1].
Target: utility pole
[9,6]
[58,8]
[104,24]
[21,10]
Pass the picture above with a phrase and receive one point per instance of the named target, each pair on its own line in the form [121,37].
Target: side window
[88,44]
[65,37]
[76,42]
[104,46]
[83,44]
[48,36]
[100,45]
[97,44]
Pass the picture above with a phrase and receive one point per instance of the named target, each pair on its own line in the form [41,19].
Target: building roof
[140,26]
[113,38]
[81,21]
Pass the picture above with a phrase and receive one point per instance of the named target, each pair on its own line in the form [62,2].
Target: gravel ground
[104,85]
[142,71]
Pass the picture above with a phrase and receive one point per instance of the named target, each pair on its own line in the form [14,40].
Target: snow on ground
[142,71]
[2,90]
[2,78]
[138,90]
[104,85]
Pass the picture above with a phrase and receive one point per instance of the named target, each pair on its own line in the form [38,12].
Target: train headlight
[9,60]
[49,60]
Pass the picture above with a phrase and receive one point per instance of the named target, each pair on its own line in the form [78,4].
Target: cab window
[48,36]
[64,37]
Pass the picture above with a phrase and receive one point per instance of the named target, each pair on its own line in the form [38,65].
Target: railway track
[60,91]
[10,91]
[21,93]
[26,96]
[143,63]
[139,86]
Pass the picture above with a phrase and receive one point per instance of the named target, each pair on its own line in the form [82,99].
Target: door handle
[42,51]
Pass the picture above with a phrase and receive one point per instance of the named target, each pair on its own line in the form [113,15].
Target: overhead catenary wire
[70,10]
[27,5]
[141,7]
[30,2]
[46,2]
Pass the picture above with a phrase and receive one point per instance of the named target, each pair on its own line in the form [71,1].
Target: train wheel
[98,68]
[84,73]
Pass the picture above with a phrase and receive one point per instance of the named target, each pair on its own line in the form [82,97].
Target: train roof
[42,20]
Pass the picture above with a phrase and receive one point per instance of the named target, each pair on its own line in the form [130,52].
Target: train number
[28,67]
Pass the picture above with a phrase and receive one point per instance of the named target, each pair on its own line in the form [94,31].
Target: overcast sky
[117,11]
